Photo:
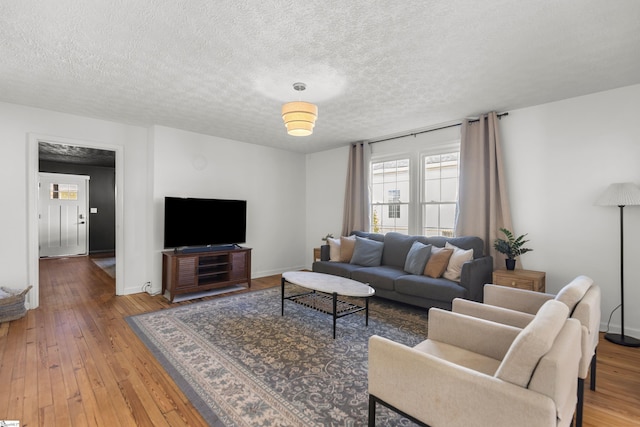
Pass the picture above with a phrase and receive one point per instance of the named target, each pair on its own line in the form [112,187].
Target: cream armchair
[473,372]
[517,307]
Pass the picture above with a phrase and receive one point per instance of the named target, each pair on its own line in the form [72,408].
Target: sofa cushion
[459,257]
[396,248]
[372,236]
[572,293]
[334,249]
[381,277]
[343,269]
[367,252]
[467,242]
[430,288]
[417,258]
[532,343]
[347,244]
[438,261]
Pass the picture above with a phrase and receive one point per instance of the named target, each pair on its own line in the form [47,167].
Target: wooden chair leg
[592,384]
[580,402]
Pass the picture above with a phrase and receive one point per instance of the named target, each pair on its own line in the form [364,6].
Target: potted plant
[325,238]
[511,247]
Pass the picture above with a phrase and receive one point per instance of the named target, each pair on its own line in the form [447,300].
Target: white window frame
[382,159]
[422,202]
[416,178]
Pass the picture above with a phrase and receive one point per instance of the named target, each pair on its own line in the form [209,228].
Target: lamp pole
[620,338]
[621,194]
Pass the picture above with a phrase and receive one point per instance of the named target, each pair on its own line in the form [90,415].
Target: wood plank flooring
[75,362]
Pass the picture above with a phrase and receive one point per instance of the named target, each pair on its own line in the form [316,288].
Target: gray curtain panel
[356,197]
[483,203]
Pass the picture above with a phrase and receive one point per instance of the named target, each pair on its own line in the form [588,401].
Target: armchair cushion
[490,312]
[471,334]
[532,343]
[572,293]
[515,299]
[460,356]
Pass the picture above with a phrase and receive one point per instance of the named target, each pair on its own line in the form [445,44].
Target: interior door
[62,213]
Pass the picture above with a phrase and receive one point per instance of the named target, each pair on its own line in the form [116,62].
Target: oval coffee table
[324,292]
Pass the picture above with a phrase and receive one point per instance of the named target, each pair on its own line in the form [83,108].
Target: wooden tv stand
[184,273]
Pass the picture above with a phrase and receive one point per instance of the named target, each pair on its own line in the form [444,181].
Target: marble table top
[329,283]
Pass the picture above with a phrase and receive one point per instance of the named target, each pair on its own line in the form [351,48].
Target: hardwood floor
[75,362]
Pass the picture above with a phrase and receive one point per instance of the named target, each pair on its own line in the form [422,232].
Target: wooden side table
[523,279]
[316,254]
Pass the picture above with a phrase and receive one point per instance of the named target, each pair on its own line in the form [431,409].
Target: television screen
[203,222]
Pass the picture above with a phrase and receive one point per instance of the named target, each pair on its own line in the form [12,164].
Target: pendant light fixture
[299,117]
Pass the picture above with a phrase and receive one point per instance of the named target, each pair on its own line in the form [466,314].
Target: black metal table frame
[351,308]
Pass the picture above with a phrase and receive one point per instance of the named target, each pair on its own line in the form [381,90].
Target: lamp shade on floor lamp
[621,195]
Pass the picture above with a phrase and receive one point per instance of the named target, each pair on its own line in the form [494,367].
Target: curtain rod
[431,130]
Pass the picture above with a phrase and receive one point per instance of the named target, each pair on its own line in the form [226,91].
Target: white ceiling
[375,68]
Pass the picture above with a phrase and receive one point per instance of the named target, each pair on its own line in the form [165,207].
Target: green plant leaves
[512,246]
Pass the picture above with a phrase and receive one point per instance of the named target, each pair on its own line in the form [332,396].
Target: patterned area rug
[243,364]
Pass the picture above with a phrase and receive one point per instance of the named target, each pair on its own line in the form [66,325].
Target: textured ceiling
[76,155]
[375,68]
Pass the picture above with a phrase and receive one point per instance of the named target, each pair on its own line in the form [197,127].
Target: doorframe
[33,170]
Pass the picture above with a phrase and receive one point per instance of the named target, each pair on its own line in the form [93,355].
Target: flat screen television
[204,222]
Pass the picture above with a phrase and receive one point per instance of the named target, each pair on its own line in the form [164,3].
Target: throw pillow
[417,258]
[367,253]
[334,249]
[459,257]
[438,261]
[532,343]
[347,244]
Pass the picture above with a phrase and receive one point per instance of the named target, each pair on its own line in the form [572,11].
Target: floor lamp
[621,195]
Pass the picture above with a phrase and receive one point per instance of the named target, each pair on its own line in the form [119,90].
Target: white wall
[559,158]
[16,122]
[272,181]
[325,188]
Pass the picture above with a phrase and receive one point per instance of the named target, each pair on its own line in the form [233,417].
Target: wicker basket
[12,303]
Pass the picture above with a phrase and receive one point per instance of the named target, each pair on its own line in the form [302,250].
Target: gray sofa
[391,281]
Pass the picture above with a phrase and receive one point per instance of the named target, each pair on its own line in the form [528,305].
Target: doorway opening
[103,164]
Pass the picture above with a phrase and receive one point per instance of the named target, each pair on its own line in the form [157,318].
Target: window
[416,193]
[390,190]
[439,194]
[63,191]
